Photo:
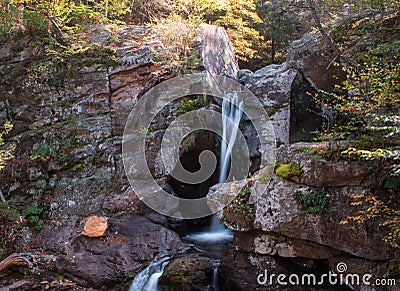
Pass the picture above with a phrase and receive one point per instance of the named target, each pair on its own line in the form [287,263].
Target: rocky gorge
[68,121]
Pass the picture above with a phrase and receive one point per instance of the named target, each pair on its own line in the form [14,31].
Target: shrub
[314,203]
[5,154]
[191,103]
[178,37]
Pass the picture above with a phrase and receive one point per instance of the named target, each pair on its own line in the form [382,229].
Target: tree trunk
[327,39]
[273,49]
[13,260]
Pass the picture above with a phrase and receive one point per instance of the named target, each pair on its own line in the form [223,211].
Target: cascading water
[232,109]
[147,279]
[215,279]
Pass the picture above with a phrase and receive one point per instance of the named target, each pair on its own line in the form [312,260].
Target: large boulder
[190,272]
[315,59]
[217,51]
[278,212]
[128,243]
[285,95]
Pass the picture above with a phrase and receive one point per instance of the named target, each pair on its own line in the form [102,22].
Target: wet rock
[129,241]
[217,51]
[190,272]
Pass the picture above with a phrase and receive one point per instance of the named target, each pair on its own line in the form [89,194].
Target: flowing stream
[216,234]
[147,279]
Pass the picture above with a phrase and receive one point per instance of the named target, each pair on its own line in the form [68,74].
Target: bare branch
[3,199]
[328,40]
[14,260]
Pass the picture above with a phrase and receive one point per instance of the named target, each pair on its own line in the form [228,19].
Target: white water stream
[147,279]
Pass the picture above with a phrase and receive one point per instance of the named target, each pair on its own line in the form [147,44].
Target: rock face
[68,127]
[68,124]
[285,94]
[314,59]
[128,243]
[283,229]
[191,272]
[283,236]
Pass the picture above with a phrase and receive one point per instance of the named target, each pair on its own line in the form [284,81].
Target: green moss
[130,276]
[178,277]
[314,203]
[78,167]
[265,174]
[17,213]
[188,104]
[42,152]
[288,170]
[271,110]
[392,184]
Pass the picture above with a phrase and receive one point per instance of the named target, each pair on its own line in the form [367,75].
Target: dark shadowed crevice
[192,147]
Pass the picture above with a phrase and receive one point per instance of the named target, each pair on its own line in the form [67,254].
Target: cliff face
[69,119]
[68,125]
[279,233]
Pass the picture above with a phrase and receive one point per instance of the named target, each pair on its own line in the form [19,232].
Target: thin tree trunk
[327,39]
[3,199]
[273,49]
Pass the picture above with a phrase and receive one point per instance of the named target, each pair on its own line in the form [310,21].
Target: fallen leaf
[95,226]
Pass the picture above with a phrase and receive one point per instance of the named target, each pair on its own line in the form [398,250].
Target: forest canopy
[260,30]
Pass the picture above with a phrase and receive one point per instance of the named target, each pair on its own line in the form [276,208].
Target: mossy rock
[191,272]
[288,170]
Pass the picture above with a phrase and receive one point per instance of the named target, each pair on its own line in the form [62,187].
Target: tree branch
[3,199]
[14,260]
[327,39]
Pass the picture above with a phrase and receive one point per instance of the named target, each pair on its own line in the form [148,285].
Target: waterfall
[215,279]
[232,110]
[147,279]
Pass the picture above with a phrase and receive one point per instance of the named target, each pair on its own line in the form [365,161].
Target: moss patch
[288,170]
